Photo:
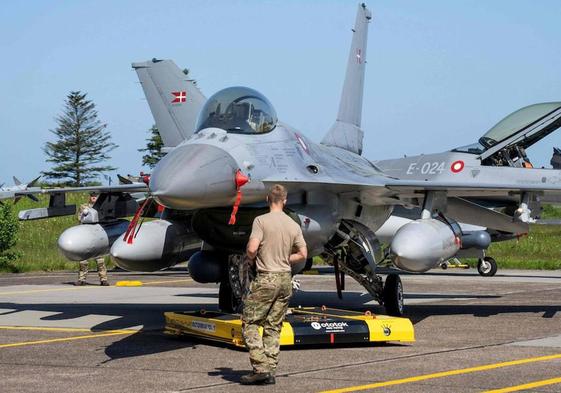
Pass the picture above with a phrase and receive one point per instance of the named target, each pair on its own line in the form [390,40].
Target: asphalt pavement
[473,334]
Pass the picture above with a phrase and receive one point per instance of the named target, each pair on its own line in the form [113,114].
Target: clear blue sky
[439,74]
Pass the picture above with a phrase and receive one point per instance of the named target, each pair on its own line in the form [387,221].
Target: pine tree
[82,144]
[153,148]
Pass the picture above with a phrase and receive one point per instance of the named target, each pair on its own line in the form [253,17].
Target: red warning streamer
[239,180]
[130,233]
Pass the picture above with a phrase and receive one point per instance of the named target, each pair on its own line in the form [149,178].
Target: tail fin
[175,101]
[345,132]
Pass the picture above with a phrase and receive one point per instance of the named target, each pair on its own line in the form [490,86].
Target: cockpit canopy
[238,110]
[525,121]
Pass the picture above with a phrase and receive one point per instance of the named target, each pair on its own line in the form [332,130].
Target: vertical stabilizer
[346,132]
[175,101]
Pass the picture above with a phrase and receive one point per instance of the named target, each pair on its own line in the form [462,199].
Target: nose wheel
[487,267]
[392,295]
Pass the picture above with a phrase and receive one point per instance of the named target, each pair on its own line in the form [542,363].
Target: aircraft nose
[193,177]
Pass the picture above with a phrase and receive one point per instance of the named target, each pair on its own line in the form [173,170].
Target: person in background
[101,268]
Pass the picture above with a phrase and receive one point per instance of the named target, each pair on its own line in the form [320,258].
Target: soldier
[83,212]
[273,239]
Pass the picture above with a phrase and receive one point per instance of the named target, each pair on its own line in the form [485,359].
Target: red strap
[239,180]
[130,233]
[235,207]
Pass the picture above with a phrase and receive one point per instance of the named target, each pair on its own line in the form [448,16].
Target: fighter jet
[504,145]
[15,191]
[213,181]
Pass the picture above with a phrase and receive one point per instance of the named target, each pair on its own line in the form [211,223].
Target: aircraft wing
[380,190]
[117,200]
[133,187]
[395,188]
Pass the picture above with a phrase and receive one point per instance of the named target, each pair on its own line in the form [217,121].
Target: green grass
[37,240]
[541,249]
[551,211]
[37,243]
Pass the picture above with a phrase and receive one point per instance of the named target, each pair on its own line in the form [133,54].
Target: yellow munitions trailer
[302,326]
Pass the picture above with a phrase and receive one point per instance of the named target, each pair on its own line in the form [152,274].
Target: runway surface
[473,334]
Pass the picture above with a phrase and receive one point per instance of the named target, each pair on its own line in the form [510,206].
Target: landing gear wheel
[487,267]
[392,295]
[227,302]
[444,265]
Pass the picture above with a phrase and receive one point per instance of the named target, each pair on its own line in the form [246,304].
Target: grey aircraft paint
[339,197]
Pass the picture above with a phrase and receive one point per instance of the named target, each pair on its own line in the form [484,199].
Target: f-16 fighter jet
[219,165]
[340,198]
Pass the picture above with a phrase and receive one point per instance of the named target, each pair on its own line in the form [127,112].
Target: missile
[87,241]
[157,244]
[423,244]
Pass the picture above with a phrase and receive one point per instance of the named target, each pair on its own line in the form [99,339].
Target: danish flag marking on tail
[180,96]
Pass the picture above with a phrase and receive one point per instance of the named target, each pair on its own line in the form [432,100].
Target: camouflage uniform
[265,306]
[101,268]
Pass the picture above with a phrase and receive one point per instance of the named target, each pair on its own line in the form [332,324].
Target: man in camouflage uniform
[276,242]
[101,268]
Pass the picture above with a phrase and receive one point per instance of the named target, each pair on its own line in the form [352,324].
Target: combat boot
[257,379]
[79,283]
[104,283]
[270,380]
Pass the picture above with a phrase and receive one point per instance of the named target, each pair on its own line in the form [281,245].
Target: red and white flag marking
[180,96]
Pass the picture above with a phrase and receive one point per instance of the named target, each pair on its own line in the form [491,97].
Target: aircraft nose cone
[194,176]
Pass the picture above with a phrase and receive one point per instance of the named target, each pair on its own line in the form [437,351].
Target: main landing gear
[355,251]
[234,285]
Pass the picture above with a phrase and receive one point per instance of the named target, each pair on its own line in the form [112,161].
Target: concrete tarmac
[473,334]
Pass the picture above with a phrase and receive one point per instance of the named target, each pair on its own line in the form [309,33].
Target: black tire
[487,267]
[226,300]
[393,295]
[444,266]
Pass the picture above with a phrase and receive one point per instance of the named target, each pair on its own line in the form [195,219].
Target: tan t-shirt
[278,235]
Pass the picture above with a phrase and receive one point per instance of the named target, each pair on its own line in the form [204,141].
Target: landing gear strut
[356,252]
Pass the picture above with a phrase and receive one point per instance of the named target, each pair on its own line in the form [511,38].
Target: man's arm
[254,241]
[299,256]
[252,247]
[300,245]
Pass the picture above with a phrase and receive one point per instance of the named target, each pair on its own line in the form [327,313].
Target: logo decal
[330,327]
[387,330]
[457,166]
[180,96]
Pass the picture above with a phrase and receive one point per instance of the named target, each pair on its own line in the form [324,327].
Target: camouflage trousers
[101,269]
[265,306]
